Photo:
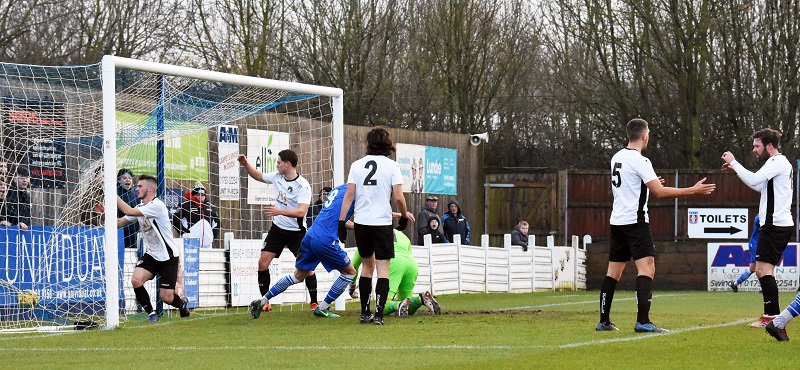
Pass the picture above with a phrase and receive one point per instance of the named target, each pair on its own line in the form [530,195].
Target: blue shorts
[753,248]
[312,252]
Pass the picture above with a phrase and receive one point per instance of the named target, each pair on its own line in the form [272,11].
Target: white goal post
[78,129]
[109,66]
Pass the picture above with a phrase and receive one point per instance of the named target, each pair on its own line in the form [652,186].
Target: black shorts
[771,243]
[278,238]
[167,269]
[631,241]
[377,240]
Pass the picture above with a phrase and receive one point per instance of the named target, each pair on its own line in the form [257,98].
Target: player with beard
[632,180]
[774,182]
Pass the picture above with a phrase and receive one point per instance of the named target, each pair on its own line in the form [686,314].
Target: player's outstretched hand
[342,231]
[727,168]
[728,157]
[242,159]
[702,188]
[402,223]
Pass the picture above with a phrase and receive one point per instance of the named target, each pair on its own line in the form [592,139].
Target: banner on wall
[228,137]
[33,136]
[727,261]
[185,157]
[427,169]
[262,152]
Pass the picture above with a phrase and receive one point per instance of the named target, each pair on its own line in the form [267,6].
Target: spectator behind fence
[314,209]
[127,192]
[3,191]
[4,171]
[428,212]
[197,217]
[520,235]
[17,208]
[91,206]
[454,223]
[434,230]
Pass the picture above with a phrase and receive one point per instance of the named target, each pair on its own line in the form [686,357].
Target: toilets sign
[718,223]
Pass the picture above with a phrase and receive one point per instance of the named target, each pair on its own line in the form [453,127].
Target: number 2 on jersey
[368,181]
[616,179]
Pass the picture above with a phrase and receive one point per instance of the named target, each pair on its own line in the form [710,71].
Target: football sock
[280,286]
[143,298]
[338,287]
[381,291]
[644,296]
[769,290]
[365,291]
[746,274]
[263,281]
[177,302]
[789,313]
[311,285]
[390,307]
[606,297]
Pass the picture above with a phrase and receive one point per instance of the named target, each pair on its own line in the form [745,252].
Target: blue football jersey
[756,232]
[326,226]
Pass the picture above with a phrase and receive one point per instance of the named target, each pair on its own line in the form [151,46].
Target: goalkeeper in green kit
[402,277]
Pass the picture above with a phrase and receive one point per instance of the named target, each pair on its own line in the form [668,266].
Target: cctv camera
[476,139]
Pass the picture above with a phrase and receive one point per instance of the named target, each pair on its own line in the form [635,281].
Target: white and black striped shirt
[774,181]
[630,171]
[155,224]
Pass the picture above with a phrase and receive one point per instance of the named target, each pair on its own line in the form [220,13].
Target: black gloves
[402,223]
[342,231]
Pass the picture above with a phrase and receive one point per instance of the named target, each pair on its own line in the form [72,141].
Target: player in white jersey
[292,198]
[372,182]
[774,182]
[162,253]
[632,180]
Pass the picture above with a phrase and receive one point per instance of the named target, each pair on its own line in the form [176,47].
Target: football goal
[73,138]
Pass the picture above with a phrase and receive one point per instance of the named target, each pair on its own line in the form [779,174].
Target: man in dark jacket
[314,209]
[425,215]
[17,208]
[454,223]
[520,235]
[126,191]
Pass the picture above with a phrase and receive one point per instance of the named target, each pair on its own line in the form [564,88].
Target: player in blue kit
[752,268]
[319,245]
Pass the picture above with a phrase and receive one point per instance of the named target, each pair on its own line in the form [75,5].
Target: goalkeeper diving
[403,271]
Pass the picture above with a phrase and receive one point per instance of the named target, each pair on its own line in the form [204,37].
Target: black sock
[143,298]
[606,296]
[381,291]
[263,281]
[177,302]
[769,290]
[644,296]
[311,284]
[365,291]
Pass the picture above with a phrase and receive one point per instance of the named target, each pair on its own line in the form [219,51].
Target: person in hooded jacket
[435,230]
[453,222]
[197,217]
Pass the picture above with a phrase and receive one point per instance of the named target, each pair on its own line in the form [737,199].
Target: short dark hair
[379,142]
[149,178]
[23,171]
[326,189]
[636,127]
[768,136]
[288,155]
[123,171]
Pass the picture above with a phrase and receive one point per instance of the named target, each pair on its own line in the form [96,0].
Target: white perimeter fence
[443,269]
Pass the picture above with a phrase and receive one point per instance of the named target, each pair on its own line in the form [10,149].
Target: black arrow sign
[721,230]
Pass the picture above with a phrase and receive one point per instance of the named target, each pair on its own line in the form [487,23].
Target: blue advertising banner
[440,170]
[427,169]
[191,271]
[61,265]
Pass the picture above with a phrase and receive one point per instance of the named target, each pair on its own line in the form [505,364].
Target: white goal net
[75,137]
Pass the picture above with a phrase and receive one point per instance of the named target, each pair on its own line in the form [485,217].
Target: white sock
[783,319]
[324,305]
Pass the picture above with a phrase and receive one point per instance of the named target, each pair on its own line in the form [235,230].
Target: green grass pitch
[539,330]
